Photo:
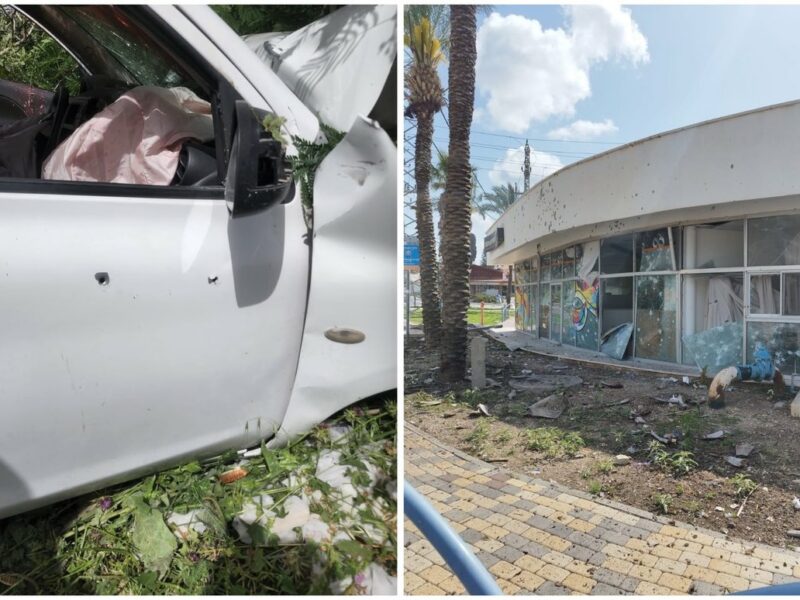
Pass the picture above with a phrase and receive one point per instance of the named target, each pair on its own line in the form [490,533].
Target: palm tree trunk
[456,231]
[428,269]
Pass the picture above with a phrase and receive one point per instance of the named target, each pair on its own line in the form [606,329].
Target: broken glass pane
[556,265]
[773,241]
[710,301]
[791,293]
[653,251]
[545,267]
[781,339]
[656,305]
[568,264]
[617,302]
[616,254]
[765,294]
[715,348]
[616,341]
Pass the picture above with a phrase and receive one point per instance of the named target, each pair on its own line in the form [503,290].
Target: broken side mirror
[259,175]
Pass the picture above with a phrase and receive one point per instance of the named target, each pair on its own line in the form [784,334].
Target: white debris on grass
[375,581]
[338,432]
[187,522]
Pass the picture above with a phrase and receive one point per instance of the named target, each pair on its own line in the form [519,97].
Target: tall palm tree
[425,29]
[438,184]
[457,224]
[498,200]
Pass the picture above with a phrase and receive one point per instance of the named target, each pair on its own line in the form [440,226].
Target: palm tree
[498,200]
[425,37]
[457,224]
[438,184]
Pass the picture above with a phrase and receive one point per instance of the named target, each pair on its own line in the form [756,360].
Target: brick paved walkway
[536,536]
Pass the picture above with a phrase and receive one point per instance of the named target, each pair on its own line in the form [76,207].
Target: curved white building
[683,247]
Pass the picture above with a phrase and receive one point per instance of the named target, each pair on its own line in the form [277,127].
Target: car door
[140,325]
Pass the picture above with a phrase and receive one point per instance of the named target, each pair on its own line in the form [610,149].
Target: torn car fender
[353,282]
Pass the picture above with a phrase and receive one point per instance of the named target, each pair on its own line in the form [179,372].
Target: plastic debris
[186,522]
[796,503]
[482,411]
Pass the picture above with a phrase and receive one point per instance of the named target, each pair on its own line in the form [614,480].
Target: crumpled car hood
[337,65]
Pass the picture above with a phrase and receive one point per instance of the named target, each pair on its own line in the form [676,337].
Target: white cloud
[508,169]
[583,130]
[530,74]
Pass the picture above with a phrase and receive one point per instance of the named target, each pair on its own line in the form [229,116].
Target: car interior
[33,121]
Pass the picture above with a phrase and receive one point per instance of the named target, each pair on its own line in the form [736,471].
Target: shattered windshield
[130,46]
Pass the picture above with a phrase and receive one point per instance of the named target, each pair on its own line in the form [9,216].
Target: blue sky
[622,74]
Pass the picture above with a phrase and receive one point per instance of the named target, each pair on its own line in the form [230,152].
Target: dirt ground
[602,410]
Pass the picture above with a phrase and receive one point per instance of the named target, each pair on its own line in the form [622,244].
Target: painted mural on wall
[585,303]
[519,298]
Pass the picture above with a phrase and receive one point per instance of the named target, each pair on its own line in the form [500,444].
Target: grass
[676,464]
[554,442]
[478,439]
[742,485]
[490,316]
[118,541]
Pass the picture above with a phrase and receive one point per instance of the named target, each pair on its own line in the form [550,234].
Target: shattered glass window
[773,241]
[616,254]
[656,318]
[781,339]
[569,263]
[765,294]
[791,294]
[556,265]
[654,251]
[545,267]
[544,311]
[713,315]
[533,302]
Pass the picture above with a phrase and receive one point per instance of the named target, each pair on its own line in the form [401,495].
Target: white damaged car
[162,294]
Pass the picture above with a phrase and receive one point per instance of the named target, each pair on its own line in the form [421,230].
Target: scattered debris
[546,384]
[794,408]
[796,503]
[744,449]
[429,402]
[233,475]
[795,533]
[550,407]
[639,421]
[686,380]
[512,394]
[779,405]
[614,385]
[617,403]
[482,411]
[621,460]
[732,460]
[716,435]
[667,438]
[716,391]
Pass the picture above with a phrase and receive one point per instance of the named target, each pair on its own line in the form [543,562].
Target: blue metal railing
[476,579]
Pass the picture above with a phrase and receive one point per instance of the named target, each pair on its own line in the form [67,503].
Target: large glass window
[781,339]
[791,294]
[544,311]
[773,241]
[713,245]
[654,251]
[765,294]
[713,320]
[656,309]
[616,254]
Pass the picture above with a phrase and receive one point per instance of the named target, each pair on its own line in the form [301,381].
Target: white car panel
[190,348]
[353,280]
[336,65]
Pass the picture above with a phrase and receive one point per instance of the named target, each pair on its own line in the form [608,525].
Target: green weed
[554,442]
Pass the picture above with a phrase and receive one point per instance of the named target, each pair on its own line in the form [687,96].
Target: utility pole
[526,170]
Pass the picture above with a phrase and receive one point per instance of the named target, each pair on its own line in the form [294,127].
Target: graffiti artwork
[584,304]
